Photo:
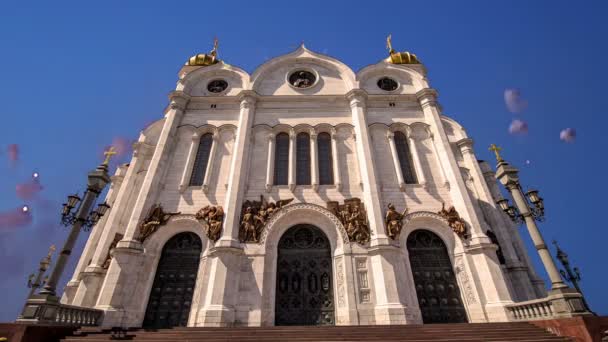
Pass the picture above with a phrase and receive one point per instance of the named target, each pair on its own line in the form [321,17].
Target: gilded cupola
[399,57]
[205,59]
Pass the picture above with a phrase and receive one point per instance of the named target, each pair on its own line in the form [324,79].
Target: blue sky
[76,75]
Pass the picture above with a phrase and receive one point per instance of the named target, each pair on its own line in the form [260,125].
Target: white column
[292,160]
[335,160]
[270,162]
[183,184]
[481,252]
[218,302]
[210,162]
[314,161]
[414,150]
[396,163]
[444,180]
[155,169]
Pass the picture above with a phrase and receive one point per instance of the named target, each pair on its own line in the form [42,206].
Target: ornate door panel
[304,292]
[436,286]
[171,295]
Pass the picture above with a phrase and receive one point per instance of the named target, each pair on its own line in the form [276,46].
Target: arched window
[326,172]
[201,160]
[281,159]
[405,158]
[303,159]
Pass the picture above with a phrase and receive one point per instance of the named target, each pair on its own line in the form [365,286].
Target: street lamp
[573,275]
[535,207]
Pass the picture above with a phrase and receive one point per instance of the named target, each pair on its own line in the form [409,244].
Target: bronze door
[436,287]
[304,292]
[171,295]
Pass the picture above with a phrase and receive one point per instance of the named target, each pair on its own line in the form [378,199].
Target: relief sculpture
[353,216]
[255,214]
[394,221]
[214,217]
[454,220]
[155,219]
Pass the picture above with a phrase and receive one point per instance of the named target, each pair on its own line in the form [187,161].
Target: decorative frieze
[255,215]
[154,220]
[353,216]
[340,282]
[213,217]
[465,282]
[362,280]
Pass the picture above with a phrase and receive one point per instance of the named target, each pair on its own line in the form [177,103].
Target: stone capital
[465,145]
[357,97]
[248,98]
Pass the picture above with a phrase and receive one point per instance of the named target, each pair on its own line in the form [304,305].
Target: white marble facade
[372,283]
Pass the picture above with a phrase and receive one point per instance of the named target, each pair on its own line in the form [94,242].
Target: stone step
[482,332]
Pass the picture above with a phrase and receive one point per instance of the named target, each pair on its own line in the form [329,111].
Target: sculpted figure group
[454,220]
[255,215]
[394,222]
[156,218]
[353,216]
[214,217]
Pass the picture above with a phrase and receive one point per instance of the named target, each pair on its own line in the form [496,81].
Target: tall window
[405,158]
[201,160]
[281,159]
[303,159]
[326,172]
[499,254]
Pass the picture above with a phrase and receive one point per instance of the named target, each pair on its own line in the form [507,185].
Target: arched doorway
[304,289]
[436,287]
[171,295]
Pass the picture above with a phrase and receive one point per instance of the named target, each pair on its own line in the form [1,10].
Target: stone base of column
[69,291]
[216,316]
[347,317]
[397,314]
[88,289]
[497,312]
[567,302]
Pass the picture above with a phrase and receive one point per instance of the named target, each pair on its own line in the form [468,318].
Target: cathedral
[304,193]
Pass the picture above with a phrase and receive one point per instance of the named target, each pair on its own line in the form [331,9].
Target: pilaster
[270,162]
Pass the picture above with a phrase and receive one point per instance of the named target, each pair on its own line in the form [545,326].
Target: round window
[302,79]
[217,86]
[387,84]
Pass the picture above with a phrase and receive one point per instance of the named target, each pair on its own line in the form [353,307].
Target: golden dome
[402,58]
[399,57]
[205,59]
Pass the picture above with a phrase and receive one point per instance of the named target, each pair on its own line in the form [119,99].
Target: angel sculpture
[255,215]
[454,220]
[214,217]
[156,218]
[393,221]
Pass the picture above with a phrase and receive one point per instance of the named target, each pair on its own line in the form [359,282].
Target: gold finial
[215,45]
[389,44]
[109,153]
[51,250]
[496,151]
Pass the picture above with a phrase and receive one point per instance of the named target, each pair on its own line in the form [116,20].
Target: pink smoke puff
[567,135]
[518,127]
[514,101]
[14,219]
[29,190]
[13,152]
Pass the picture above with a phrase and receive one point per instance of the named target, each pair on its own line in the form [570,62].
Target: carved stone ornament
[214,217]
[255,215]
[454,220]
[155,219]
[117,237]
[394,221]
[353,216]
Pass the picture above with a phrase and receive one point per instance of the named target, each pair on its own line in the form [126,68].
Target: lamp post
[573,275]
[44,265]
[81,218]
[529,208]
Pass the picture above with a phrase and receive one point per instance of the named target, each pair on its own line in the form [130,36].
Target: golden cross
[51,250]
[215,45]
[109,153]
[389,45]
[496,151]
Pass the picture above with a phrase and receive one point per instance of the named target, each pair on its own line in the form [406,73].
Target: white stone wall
[373,283]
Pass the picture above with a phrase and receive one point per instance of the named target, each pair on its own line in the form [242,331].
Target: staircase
[482,332]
